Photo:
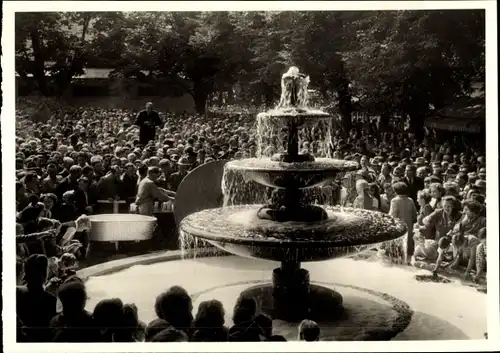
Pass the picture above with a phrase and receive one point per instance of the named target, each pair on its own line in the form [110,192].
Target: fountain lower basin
[238,230]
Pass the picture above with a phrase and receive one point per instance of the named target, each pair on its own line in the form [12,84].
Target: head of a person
[175,306]
[400,188]
[170,334]
[142,169]
[362,187]
[244,310]
[83,223]
[374,189]
[451,205]
[154,161]
[364,162]
[52,169]
[423,197]
[131,157]
[130,170]
[210,314]
[83,183]
[422,172]
[472,208]
[480,186]
[479,198]
[165,166]
[36,270]
[309,331]
[81,159]
[73,297]
[149,107]
[265,323]
[130,327]
[154,173]
[75,172]
[49,200]
[385,169]
[389,190]
[155,327]
[410,171]
[183,165]
[461,180]
[108,315]
[31,180]
[437,190]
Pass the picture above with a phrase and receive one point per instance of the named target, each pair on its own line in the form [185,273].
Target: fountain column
[291,286]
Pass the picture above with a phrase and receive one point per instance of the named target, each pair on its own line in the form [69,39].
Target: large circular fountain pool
[376,308]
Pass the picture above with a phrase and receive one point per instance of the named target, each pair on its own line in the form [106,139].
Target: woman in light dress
[403,208]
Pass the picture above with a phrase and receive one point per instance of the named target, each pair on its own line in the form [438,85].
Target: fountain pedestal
[288,205]
[292,298]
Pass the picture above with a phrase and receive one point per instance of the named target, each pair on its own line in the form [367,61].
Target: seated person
[481,255]
[463,239]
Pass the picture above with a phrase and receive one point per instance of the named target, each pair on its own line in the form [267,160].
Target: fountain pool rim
[113,266]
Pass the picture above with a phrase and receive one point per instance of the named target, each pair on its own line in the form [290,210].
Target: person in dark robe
[147,120]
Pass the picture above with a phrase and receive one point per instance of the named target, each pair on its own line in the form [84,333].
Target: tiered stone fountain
[287,229]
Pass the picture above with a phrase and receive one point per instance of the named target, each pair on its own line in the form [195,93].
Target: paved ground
[440,311]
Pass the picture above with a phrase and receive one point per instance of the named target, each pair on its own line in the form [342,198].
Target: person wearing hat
[148,192]
[480,185]
[183,166]
[191,156]
[420,162]
[450,174]
[147,120]
[414,184]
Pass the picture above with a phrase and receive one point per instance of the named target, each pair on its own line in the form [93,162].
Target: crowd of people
[65,165]
[115,321]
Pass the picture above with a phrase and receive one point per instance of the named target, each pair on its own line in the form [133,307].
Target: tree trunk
[345,105]
[269,95]
[200,98]
[39,72]
[417,126]
[76,60]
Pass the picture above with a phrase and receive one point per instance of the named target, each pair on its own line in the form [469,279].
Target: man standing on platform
[147,120]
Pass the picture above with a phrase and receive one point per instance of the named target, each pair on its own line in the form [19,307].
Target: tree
[410,63]
[51,47]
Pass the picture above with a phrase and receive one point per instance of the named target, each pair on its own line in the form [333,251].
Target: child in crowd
[309,331]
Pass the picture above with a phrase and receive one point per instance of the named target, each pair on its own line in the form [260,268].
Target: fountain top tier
[293,102]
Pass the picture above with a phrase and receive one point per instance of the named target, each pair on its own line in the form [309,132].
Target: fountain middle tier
[238,230]
[297,175]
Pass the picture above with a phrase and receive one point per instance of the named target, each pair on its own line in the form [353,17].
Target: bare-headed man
[147,120]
